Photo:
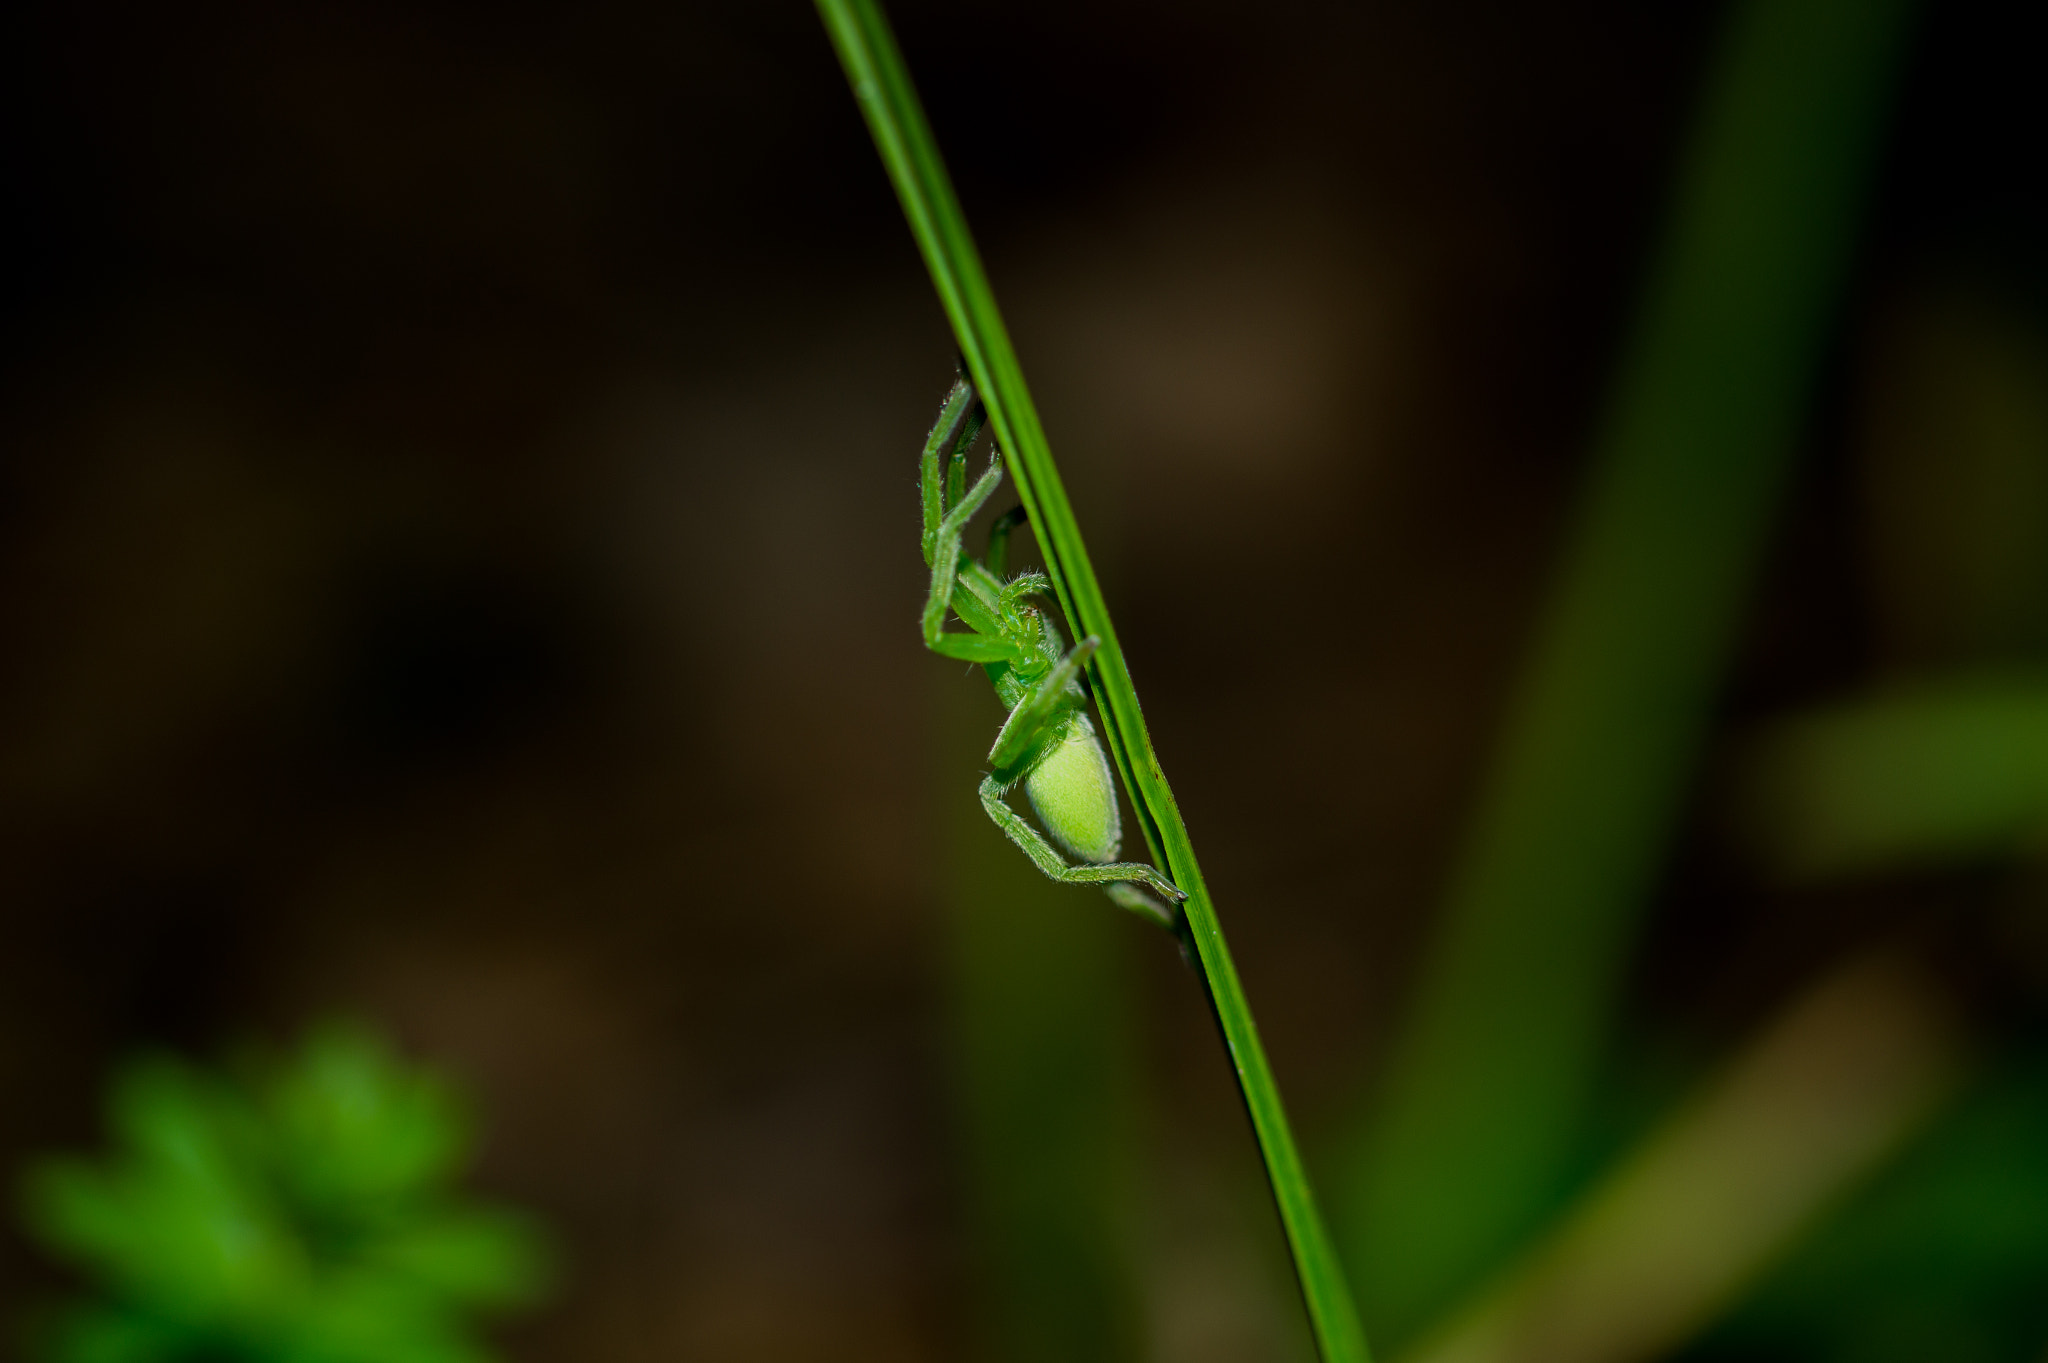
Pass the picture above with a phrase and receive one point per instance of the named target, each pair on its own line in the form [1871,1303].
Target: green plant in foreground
[301,1214]
[889,103]
[1047,742]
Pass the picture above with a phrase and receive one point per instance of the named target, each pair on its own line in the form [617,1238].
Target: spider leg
[1034,845]
[944,449]
[980,647]
[1023,585]
[998,555]
[1129,896]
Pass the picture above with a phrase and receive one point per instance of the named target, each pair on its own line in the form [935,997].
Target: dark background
[457,565]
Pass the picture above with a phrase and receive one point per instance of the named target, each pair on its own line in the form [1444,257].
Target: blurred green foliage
[1949,771]
[1949,765]
[1484,1110]
[1944,1256]
[301,1211]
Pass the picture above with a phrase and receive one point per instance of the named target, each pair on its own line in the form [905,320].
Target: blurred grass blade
[1944,773]
[1482,1105]
[889,103]
[1703,1206]
[1941,1255]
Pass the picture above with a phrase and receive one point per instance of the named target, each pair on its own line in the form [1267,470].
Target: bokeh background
[458,570]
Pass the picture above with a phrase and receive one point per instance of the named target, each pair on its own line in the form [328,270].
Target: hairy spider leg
[1047,860]
[1128,896]
[998,555]
[948,506]
[1044,721]
[977,647]
[1022,585]
[945,451]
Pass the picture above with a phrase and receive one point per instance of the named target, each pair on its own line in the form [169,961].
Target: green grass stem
[889,102]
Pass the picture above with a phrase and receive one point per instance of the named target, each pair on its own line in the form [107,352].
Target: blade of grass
[889,102]
[1480,1116]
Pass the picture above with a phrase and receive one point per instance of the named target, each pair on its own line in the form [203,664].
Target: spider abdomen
[1074,792]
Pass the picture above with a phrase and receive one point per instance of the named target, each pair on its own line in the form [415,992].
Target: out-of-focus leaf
[1681,1225]
[1481,1121]
[485,1255]
[1942,774]
[180,1220]
[304,1215]
[1945,1256]
[356,1127]
[111,1335]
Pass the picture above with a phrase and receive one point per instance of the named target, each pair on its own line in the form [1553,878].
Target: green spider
[1047,743]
